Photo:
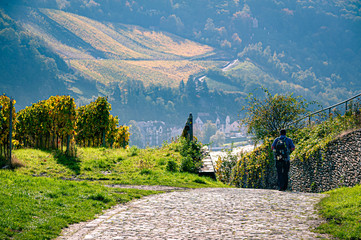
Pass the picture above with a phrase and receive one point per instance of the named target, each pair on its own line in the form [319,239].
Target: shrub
[224,167]
[172,166]
[188,165]
[192,154]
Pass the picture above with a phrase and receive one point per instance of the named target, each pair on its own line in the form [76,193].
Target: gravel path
[216,213]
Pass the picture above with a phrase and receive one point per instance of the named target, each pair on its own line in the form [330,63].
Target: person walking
[282,148]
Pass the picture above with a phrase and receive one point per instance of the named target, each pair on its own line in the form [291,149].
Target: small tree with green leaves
[266,117]
[192,155]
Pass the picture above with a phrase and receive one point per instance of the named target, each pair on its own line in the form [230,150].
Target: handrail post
[346,107]
[329,109]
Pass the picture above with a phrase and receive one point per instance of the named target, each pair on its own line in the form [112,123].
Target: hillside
[114,52]
[320,37]
[141,54]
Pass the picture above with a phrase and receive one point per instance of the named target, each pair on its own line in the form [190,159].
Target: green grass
[38,207]
[112,166]
[342,210]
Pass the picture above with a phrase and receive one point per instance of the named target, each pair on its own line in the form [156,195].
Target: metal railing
[347,107]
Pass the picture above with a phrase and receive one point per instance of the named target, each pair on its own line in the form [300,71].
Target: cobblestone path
[207,214]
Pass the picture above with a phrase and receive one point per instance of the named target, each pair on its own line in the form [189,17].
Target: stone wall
[338,165]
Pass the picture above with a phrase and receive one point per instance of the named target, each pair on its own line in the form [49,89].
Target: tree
[266,117]
[181,87]
[191,87]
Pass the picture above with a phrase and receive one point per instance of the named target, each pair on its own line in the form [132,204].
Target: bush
[188,165]
[225,165]
[249,170]
[192,154]
[172,166]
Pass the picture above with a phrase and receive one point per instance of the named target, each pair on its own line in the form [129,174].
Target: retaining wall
[339,165]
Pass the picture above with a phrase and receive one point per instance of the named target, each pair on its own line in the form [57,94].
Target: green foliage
[53,123]
[192,155]
[315,138]
[188,165]
[5,127]
[225,165]
[93,121]
[253,168]
[342,209]
[47,123]
[133,151]
[266,117]
[199,180]
[172,166]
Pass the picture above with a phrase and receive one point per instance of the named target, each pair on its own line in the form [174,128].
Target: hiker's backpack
[281,149]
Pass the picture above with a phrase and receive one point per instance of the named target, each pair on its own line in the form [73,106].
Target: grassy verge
[310,140]
[38,208]
[342,210]
[51,191]
[112,166]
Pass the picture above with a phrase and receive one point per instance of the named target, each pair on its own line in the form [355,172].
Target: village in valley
[155,133]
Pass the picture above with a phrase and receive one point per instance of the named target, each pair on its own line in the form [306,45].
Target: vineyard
[56,123]
[120,41]
[165,73]
[86,29]
[113,52]
[5,126]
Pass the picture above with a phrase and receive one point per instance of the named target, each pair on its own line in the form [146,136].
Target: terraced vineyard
[109,52]
[90,32]
[166,73]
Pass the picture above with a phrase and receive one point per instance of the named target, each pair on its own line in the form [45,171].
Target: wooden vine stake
[10,130]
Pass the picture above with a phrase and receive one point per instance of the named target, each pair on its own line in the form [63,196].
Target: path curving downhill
[208,213]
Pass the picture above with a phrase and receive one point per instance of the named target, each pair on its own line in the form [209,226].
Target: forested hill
[142,53]
[29,69]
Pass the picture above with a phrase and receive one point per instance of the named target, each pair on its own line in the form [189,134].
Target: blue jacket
[288,141]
